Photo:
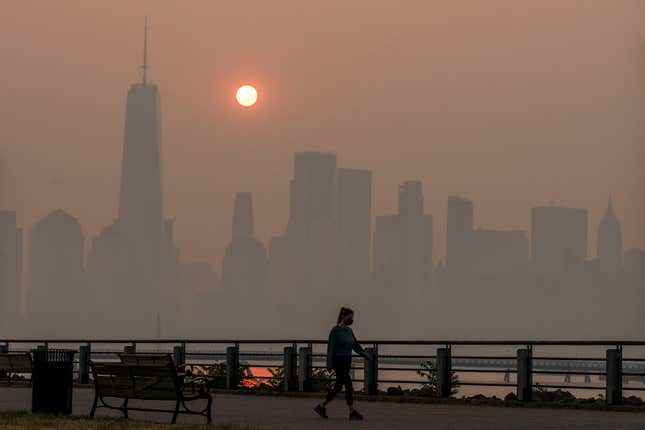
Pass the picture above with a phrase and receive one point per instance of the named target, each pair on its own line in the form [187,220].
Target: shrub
[428,369]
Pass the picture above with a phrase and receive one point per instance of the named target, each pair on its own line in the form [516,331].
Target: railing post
[232,367]
[290,369]
[179,355]
[444,372]
[84,352]
[370,371]
[525,375]
[305,363]
[614,380]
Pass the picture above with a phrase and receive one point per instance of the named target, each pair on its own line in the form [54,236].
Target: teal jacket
[340,346]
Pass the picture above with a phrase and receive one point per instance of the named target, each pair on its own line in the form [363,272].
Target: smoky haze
[510,105]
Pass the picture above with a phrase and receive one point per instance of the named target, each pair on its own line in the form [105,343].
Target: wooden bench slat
[163,359]
[14,363]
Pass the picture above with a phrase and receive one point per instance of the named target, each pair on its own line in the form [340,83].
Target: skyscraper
[56,258]
[314,188]
[245,270]
[109,269]
[140,203]
[416,237]
[610,242]
[354,226]
[312,231]
[403,244]
[245,266]
[387,259]
[459,231]
[136,256]
[10,270]
[403,266]
[558,238]
[242,216]
[634,260]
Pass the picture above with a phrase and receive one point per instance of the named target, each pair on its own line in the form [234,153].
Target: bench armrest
[195,384]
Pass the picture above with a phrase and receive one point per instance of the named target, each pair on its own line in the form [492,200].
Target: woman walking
[339,358]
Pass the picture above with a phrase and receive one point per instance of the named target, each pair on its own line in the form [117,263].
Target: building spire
[243,216]
[610,205]
[144,67]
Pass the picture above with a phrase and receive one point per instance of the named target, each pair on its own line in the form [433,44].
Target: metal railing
[299,359]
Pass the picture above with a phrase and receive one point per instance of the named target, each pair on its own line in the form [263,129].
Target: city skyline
[326,255]
[436,203]
[510,133]
[414,216]
[441,251]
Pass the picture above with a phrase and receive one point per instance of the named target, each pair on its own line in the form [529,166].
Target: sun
[247,95]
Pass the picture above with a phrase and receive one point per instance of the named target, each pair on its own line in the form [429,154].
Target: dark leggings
[343,377]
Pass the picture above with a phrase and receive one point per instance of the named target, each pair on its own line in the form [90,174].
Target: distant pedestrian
[339,358]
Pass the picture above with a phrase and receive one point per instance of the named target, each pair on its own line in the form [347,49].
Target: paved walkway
[295,413]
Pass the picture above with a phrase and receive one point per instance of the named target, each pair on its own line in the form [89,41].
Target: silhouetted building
[10,272]
[242,217]
[460,225]
[312,232]
[314,188]
[497,252]
[108,272]
[244,268]
[416,237]
[558,238]
[201,277]
[402,260]
[283,299]
[140,203]
[57,295]
[403,244]
[200,300]
[634,263]
[354,226]
[388,259]
[170,273]
[610,242]
[138,249]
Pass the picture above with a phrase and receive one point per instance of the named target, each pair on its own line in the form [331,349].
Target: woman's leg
[344,378]
[349,391]
[336,387]
[349,394]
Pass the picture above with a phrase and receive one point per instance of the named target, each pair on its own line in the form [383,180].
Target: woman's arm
[358,348]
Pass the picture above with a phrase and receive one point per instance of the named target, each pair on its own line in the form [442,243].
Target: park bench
[190,382]
[147,358]
[147,377]
[13,364]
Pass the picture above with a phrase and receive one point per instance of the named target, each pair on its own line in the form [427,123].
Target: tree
[428,369]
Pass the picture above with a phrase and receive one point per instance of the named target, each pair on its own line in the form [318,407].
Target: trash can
[52,381]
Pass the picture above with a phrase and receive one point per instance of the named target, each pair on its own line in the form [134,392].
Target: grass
[29,421]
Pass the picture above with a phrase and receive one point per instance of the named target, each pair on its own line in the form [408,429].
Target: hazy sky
[511,103]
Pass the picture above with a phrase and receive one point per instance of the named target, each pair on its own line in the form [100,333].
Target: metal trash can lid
[53,355]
